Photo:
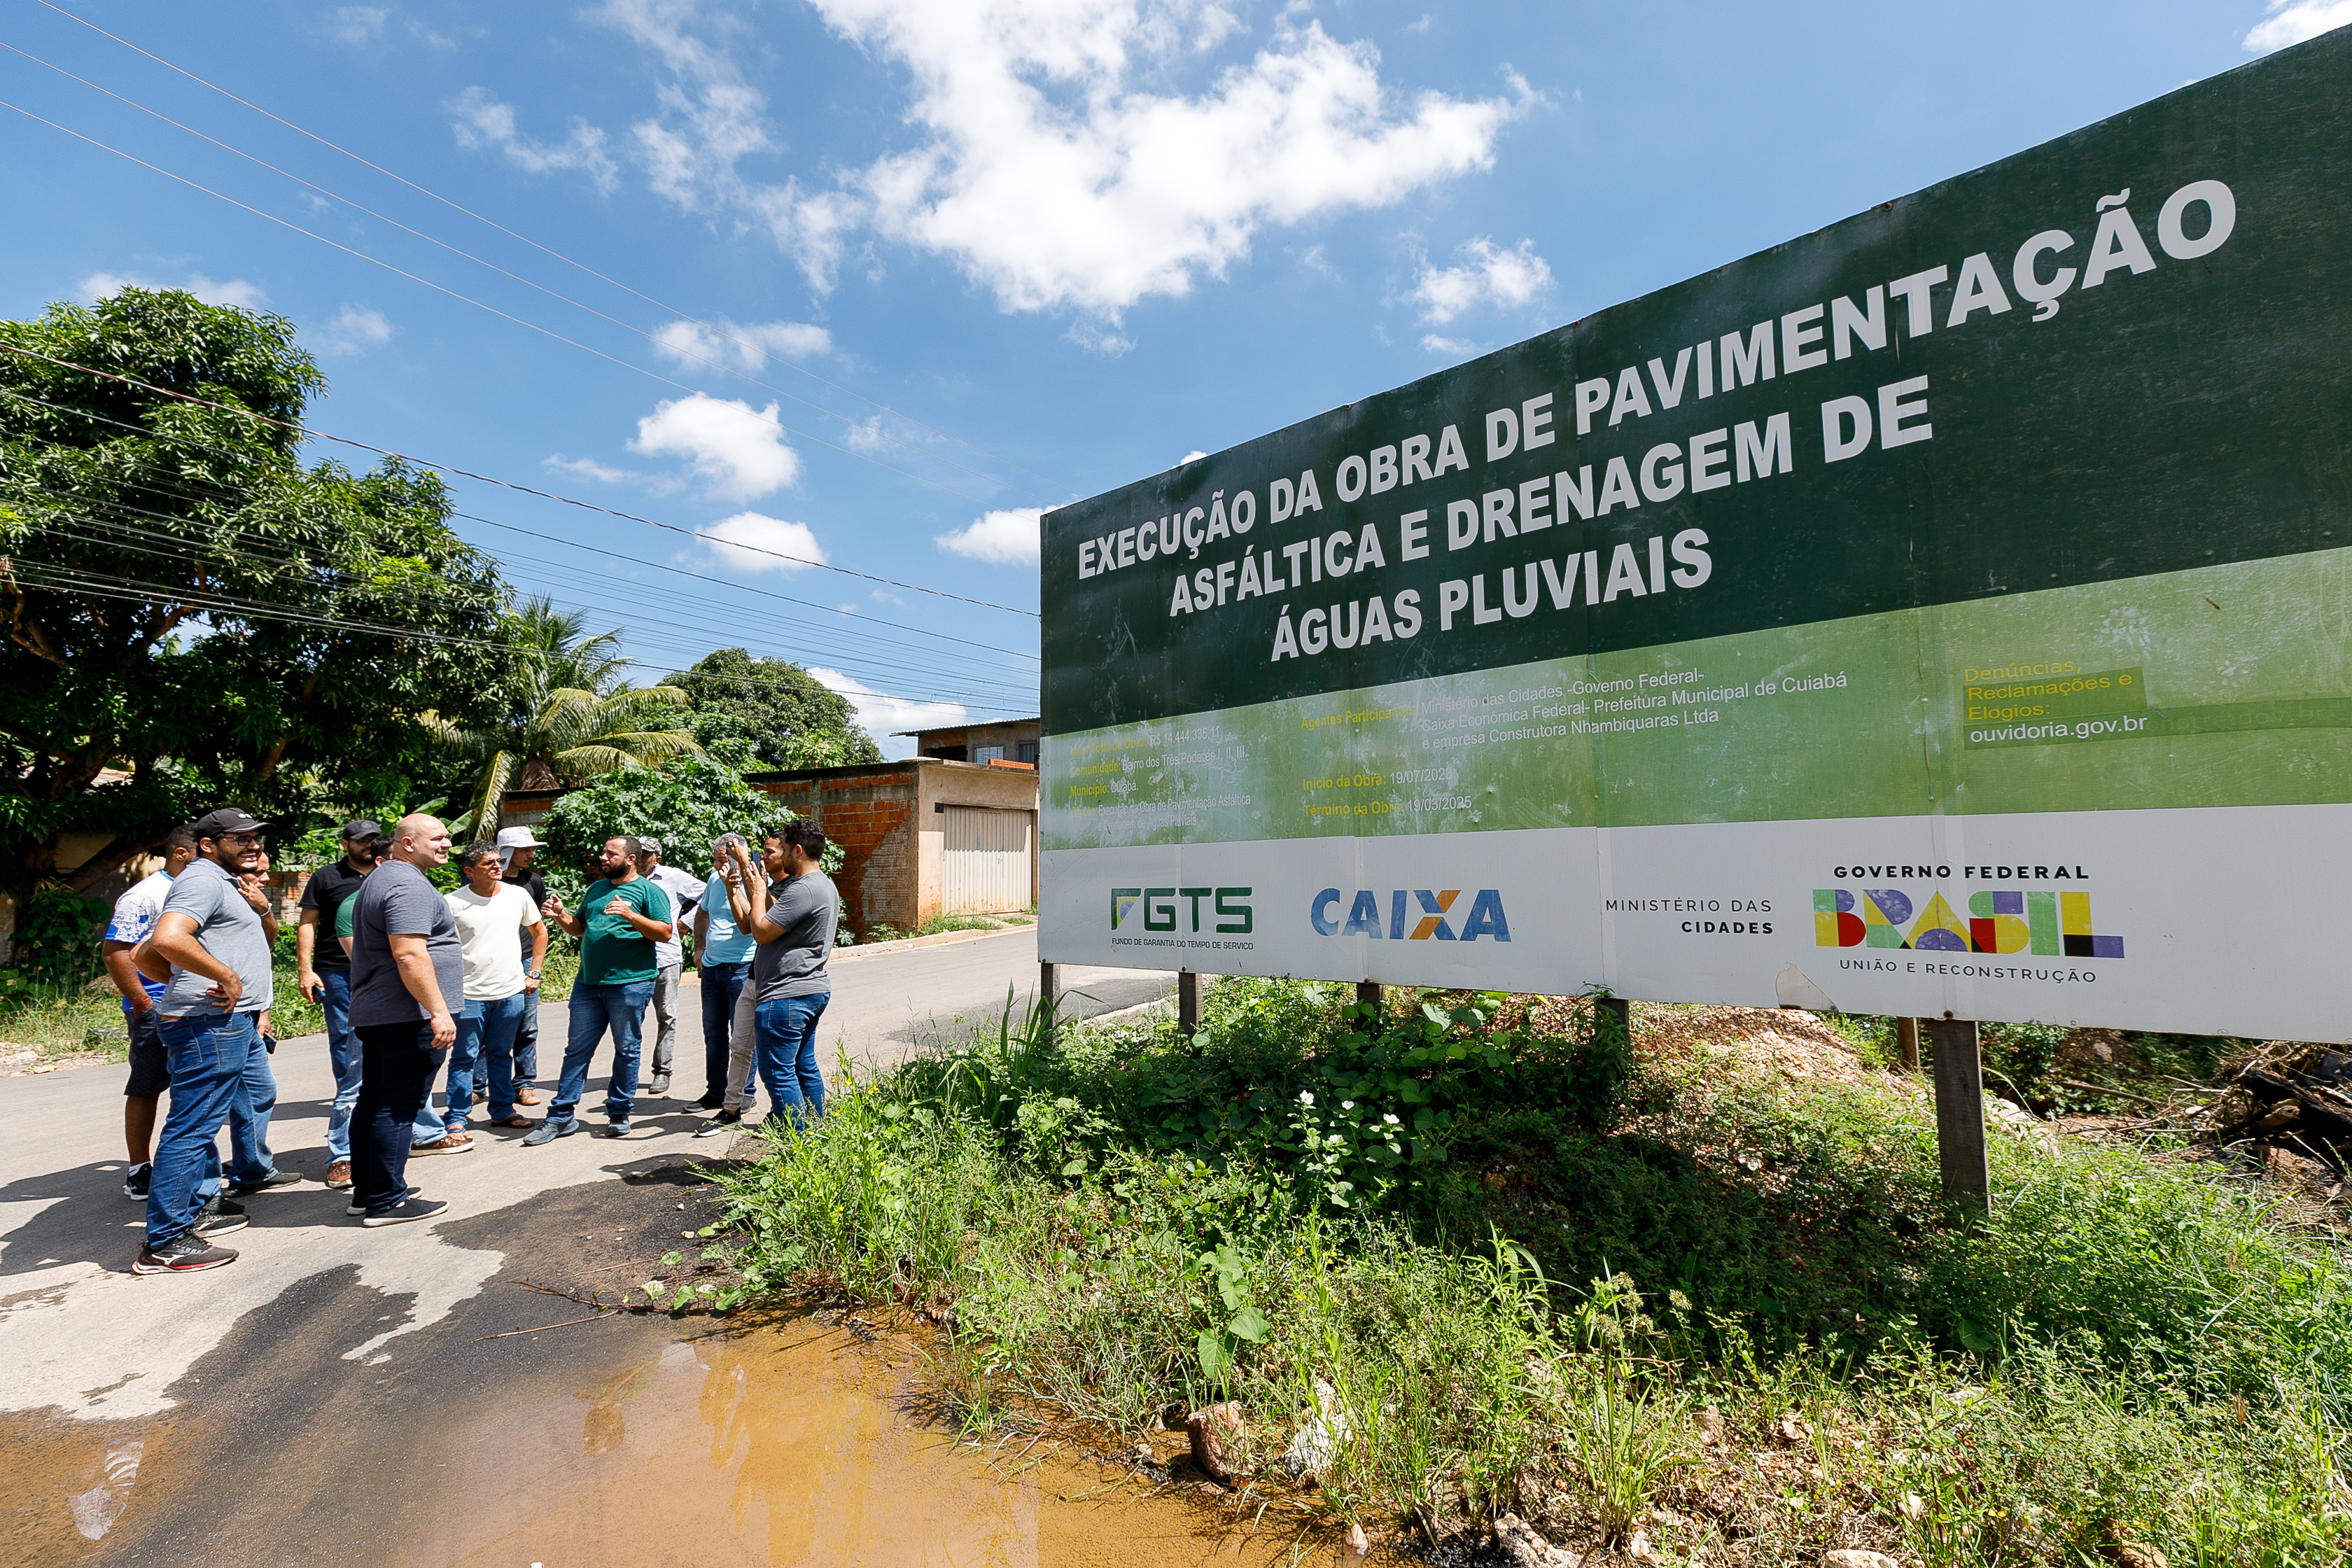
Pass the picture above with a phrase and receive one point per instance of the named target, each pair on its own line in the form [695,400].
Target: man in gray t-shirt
[210,949]
[792,921]
[408,974]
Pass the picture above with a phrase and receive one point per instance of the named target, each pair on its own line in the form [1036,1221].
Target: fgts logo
[1230,908]
[1430,908]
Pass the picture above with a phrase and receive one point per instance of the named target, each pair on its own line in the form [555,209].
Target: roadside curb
[942,939]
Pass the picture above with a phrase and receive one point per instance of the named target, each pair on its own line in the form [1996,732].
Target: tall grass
[1524,1300]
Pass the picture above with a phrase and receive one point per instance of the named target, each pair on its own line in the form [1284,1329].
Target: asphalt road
[83,1337]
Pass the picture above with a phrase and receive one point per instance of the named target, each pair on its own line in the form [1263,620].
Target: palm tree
[571,721]
[559,645]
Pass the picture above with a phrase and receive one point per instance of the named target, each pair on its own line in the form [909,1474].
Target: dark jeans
[594,1010]
[785,1029]
[722,984]
[526,1046]
[397,1062]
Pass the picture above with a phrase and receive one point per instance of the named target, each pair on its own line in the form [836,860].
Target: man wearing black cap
[213,941]
[322,973]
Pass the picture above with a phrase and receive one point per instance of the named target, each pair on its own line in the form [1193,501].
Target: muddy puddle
[799,1444]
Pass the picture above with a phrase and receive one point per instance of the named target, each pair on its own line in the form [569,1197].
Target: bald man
[408,980]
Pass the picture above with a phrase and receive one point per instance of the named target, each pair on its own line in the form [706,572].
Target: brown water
[783,1446]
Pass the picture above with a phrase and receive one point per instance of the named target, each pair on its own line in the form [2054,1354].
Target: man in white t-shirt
[135,913]
[500,987]
[685,892]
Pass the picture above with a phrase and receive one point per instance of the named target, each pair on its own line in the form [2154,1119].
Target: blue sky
[1032,251]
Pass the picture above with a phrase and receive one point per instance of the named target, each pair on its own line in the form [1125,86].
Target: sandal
[526,1097]
[516,1120]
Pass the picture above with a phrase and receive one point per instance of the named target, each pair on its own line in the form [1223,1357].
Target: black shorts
[151,1072]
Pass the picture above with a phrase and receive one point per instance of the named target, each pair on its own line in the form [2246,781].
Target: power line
[463,298]
[719,365]
[856,629]
[86,512]
[71,580]
[469,474]
[535,244]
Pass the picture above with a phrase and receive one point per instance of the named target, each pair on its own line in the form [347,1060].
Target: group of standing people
[414,981]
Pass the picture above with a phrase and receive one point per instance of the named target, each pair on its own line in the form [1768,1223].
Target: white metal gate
[986,865]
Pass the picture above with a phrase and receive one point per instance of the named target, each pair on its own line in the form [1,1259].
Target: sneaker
[660,1084]
[219,1207]
[411,1208]
[211,1223]
[339,1177]
[185,1253]
[268,1184]
[711,1101]
[548,1131]
[136,1181]
[447,1143]
[726,1121]
[357,1208]
[618,1128]
[480,1095]
[526,1094]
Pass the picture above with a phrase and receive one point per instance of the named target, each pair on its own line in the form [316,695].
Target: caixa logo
[1229,908]
[1427,909]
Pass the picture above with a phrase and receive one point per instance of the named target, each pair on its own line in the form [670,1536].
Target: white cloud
[354,330]
[881,715]
[1194,455]
[2293,21]
[234,291]
[358,24]
[1490,273]
[484,122]
[589,469]
[746,345]
[1010,538]
[1452,348]
[1046,169]
[750,541]
[738,450]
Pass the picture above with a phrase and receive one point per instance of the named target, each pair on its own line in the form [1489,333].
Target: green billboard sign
[1946,611]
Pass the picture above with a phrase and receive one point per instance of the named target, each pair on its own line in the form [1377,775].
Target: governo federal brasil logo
[1409,915]
[2046,923]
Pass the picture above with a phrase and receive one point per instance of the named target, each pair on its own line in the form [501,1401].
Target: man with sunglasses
[211,948]
[322,973]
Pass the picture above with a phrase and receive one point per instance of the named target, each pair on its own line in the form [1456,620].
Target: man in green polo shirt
[622,918]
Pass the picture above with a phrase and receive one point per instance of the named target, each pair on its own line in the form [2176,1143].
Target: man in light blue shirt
[724,953]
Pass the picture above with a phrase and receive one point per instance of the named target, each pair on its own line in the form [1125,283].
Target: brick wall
[868,811]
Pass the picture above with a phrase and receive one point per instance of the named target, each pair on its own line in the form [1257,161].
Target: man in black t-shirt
[517,846]
[322,973]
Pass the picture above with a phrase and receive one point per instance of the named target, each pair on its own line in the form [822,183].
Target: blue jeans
[214,1080]
[785,1033]
[722,983]
[431,1126]
[486,1039]
[595,1009]
[343,1057]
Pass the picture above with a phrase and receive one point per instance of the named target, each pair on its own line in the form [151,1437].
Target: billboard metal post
[1959,1113]
[1048,1000]
[1367,994]
[1188,1003]
[1906,1043]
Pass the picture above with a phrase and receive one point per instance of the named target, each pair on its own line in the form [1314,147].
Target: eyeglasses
[240,839]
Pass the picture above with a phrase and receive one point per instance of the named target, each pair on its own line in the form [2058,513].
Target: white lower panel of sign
[2197,921]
